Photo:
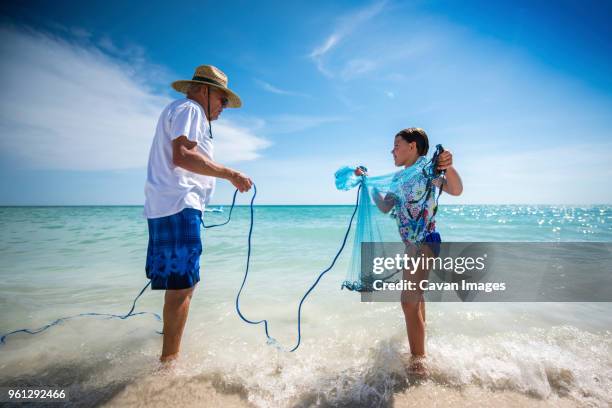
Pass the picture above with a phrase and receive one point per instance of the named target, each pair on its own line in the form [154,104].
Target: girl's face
[404,153]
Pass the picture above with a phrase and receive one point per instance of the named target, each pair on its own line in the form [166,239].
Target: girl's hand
[445,160]
[359,171]
[452,184]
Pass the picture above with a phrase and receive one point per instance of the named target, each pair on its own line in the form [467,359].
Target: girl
[414,211]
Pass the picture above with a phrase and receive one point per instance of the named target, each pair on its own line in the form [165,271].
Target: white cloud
[329,43]
[573,174]
[231,137]
[75,31]
[346,25]
[297,123]
[280,124]
[68,105]
[357,67]
[266,86]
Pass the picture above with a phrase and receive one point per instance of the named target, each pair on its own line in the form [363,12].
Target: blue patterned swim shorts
[175,246]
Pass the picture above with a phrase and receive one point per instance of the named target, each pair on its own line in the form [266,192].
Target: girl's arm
[384,204]
[452,185]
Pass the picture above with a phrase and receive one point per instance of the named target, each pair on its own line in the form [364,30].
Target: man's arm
[186,156]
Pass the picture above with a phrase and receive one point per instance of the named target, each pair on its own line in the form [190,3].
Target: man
[181,178]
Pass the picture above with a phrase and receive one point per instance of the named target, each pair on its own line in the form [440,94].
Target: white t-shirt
[169,188]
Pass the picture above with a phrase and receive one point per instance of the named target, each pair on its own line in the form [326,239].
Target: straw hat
[213,76]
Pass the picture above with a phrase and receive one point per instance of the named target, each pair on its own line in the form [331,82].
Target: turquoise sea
[60,261]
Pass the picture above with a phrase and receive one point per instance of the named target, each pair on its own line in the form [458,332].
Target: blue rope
[348,230]
[109,315]
[229,215]
[272,340]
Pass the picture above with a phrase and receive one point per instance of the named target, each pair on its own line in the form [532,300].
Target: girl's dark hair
[417,135]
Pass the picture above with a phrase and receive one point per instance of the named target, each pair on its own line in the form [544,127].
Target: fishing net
[400,206]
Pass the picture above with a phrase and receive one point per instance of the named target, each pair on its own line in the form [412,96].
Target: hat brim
[183,85]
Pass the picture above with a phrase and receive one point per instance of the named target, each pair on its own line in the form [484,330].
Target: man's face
[218,101]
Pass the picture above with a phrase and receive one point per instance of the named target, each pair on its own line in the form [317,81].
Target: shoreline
[196,392]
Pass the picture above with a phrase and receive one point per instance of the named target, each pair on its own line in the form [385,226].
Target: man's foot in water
[168,358]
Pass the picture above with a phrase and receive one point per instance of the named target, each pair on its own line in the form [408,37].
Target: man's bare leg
[176,309]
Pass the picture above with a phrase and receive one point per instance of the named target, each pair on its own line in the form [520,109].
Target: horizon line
[295,205]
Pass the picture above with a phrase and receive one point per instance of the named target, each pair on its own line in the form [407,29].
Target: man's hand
[445,160]
[241,181]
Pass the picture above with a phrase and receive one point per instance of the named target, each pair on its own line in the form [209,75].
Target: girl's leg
[415,327]
[422,309]
[413,306]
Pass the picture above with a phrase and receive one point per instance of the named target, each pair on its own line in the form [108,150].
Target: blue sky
[520,92]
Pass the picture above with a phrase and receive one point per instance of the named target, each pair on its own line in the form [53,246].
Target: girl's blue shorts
[433,240]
